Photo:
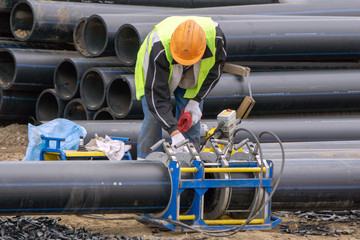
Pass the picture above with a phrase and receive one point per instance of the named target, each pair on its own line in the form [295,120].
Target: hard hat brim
[187,62]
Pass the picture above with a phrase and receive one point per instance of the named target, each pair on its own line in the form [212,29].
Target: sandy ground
[13,144]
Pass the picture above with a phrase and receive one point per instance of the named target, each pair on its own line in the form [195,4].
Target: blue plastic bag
[60,128]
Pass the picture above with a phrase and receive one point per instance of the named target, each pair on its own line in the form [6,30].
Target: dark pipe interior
[95,36]
[79,38]
[92,90]
[22,21]
[119,97]
[75,111]
[66,81]
[127,44]
[103,115]
[7,69]
[47,107]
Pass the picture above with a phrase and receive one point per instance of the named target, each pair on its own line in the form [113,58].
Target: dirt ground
[13,144]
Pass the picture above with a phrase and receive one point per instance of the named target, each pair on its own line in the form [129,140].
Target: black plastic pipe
[55,21]
[316,39]
[104,114]
[12,43]
[78,37]
[292,7]
[288,92]
[100,30]
[130,35]
[30,69]
[144,187]
[49,105]
[69,72]
[83,187]
[17,104]
[306,128]
[195,3]
[76,110]
[94,85]
[121,97]
[274,92]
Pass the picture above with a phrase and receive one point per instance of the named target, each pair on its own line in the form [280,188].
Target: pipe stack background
[75,60]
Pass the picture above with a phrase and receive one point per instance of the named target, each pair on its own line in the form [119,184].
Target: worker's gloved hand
[194,108]
[177,139]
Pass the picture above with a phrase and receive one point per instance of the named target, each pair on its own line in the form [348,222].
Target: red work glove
[185,122]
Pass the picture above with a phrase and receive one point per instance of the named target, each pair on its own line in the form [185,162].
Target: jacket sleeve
[157,92]
[216,71]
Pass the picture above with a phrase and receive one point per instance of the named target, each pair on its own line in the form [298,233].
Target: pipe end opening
[47,106]
[127,44]
[22,21]
[66,80]
[95,36]
[92,90]
[119,97]
[7,69]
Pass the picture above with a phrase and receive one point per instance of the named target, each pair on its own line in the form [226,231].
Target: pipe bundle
[79,57]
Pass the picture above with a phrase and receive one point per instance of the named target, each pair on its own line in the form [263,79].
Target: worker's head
[188,43]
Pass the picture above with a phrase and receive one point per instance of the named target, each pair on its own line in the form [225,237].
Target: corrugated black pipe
[30,69]
[49,105]
[17,104]
[315,39]
[104,114]
[69,72]
[55,21]
[94,85]
[76,110]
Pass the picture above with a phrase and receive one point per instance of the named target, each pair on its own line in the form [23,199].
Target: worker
[183,56]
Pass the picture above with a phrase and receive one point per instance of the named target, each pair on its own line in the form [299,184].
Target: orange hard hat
[188,43]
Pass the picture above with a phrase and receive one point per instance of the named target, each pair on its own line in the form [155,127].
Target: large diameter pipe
[100,30]
[121,97]
[195,3]
[17,104]
[94,85]
[145,186]
[290,7]
[274,92]
[55,21]
[69,72]
[307,128]
[49,105]
[29,69]
[83,187]
[12,43]
[315,39]
[132,33]
[104,114]
[78,37]
[76,110]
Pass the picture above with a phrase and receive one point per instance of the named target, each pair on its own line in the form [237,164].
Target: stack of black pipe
[76,60]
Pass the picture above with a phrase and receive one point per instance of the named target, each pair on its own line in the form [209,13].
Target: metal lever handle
[240,144]
[156,145]
[219,141]
[183,142]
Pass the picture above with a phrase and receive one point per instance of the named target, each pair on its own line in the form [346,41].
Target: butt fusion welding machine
[230,182]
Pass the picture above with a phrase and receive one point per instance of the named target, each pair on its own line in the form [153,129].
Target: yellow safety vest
[165,30]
